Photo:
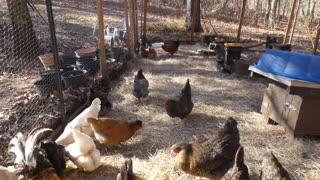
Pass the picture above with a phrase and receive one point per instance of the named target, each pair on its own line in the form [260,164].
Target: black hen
[182,105]
[55,154]
[140,85]
[105,103]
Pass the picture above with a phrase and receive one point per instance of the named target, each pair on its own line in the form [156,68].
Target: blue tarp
[290,64]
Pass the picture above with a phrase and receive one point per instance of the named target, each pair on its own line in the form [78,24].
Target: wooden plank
[103,62]
[243,9]
[284,80]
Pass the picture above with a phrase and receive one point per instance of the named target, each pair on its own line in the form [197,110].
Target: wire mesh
[28,76]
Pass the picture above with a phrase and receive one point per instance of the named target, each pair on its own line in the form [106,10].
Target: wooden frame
[103,62]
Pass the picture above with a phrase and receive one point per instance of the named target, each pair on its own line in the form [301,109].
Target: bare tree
[188,25]
[273,12]
[23,35]
[267,14]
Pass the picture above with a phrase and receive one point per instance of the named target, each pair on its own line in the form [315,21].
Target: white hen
[83,152]
[80,123]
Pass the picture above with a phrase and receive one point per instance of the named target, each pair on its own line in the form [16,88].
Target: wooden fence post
[243,9]
[194,14]
[103,62]
[145,6]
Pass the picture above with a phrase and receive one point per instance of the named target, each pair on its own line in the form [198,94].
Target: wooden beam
[243,9]
[145,7]
[194,14]
[128,31]
[316,42]
[295,22]
[103,62]
[289,26]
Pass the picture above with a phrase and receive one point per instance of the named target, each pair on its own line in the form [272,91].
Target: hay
[216,96]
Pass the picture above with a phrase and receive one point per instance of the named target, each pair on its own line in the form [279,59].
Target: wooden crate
[298,114]
[293,104]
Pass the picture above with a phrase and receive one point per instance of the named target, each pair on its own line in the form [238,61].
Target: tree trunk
[273,12]
[257,12]
[197,21]
[312,10]
[278,8]
[25,44]
[284,9]
[266,18]
[308,8]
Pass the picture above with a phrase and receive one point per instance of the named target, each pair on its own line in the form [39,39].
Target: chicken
[211,158]
[80,123]
[33,161]
[111,132]
[8,173]
[171,48]
[152,53]
[126,171]
[182,105]
[140,85]
[239,170]
[105,103]
[272,169]
[83,152]
[55,154]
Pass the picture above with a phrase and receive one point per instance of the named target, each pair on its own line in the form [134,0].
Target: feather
[30,145]
[16,147]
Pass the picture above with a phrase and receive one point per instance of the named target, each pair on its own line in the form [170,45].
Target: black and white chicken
[37,161]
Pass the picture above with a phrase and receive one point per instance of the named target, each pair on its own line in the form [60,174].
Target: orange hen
[111,132]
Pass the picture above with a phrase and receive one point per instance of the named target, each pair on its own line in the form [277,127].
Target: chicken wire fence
[29,82]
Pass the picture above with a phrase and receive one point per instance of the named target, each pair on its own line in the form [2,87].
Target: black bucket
[90,64]
[69,60]
[44,87]
[74,78]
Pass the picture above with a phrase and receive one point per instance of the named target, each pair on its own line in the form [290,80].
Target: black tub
[90,64]
[74,78]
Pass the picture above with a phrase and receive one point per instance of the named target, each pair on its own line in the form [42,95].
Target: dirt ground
[216,97]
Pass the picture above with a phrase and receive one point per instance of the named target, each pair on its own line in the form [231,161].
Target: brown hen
[111,132]
[171,48]
[211,158]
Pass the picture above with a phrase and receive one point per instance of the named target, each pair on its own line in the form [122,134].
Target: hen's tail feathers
[186,91]
[16,147]
[239,158]
[33,139]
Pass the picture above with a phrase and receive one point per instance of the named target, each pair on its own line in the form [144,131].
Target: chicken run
[169,113]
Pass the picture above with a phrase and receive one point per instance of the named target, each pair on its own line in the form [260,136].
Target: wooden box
[294,104]
[299,115]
